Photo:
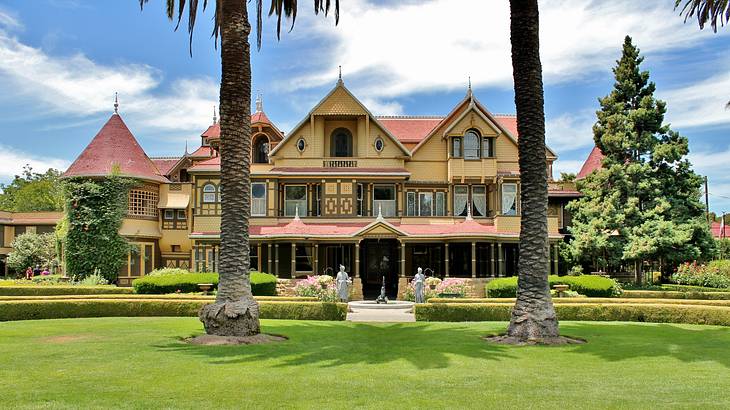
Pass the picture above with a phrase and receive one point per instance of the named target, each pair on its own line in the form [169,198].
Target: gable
[380,228]
[340,102]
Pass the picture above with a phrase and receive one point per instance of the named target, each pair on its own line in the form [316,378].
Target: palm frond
[706,11]
[288,9]
[192,15]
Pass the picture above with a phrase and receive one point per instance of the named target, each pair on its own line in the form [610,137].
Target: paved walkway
[381,315]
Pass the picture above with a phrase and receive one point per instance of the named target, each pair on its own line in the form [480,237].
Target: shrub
[168,271]
[47,290]
[32,249]
[702,275]
[659,313]
[649,301]
[721,266]
[588,285]
[56,309]
[94,279]
[321,287]
[170,296]
[46,280]
[676,295]
[262,284]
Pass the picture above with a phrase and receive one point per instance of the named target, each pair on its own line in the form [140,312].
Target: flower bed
[262,284]
[716,274]
[321,287]
[435,287]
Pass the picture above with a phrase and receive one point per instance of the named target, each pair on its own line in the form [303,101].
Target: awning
[174,200]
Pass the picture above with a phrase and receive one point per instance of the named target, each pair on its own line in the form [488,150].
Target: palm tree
[707,11]
[533,317]
[235,312]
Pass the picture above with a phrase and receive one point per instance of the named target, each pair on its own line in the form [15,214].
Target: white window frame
[360,197]
[486,200]
[474,134]
[421,196]
[467,204]
[253,200]
[210,193]
[513,209]
[287,201]
[184,217]
[439,210]
[411,201]
[169,214]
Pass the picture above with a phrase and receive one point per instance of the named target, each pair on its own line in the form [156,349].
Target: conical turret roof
[114,145]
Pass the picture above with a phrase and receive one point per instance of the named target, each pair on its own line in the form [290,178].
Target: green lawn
[139,363]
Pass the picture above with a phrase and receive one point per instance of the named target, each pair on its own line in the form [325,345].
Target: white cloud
[413,47]
[9,21]
[12,162]
[569,166]
[714,164]
[570,131]
[78,86]
[699,104]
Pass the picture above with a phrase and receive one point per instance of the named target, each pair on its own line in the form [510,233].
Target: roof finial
[296,214]
[116,103]
[186,148]
[339,80]
[468,213]
[259,102]
[215,117]
[468,91]
[380,213]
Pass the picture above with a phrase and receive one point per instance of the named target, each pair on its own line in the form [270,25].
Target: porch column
[492,269]
[402,259]
[258,257]
[473,259]
[268,257]
[315,266]
[276,259]
[500,266]
[357,259]
[446,260]
[293,259]
[555,259]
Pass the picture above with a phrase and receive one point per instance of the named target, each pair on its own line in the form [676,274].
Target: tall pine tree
[644,203]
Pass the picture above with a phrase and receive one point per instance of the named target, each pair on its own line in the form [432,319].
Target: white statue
[342,281]
[419,285]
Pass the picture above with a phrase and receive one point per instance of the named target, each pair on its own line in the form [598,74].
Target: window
[487,147]
[258,199]
[384,200]
[461,199]
[295,199]
[181,215]
[318,200]
[19,230]
[479,200]
[379,144]
[440,209]
[143,202]
[253,257]
[360,199]
[303,258]
[456,148]
[301,144]
[471,145]
[261,150]
[169,214]
[41,229]
[341,143]
[425,203]
[210,193]
[411,204]
[509,199]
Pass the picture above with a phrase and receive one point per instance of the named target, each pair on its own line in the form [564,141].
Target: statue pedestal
[356,290]
[402,286]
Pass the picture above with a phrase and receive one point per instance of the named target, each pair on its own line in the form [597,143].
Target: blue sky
[62,60]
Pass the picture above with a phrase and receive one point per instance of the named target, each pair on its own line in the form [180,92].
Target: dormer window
[472,143]
[261,150]
[341,143]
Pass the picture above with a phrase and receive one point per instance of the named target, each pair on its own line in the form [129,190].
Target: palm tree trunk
[235,312]
[533,316]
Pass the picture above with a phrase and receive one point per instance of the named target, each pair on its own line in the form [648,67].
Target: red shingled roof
[212,164]
[593,162]
[412,130]
[214,131]
[718,233]
[114,145]
[164,165]
[205,151]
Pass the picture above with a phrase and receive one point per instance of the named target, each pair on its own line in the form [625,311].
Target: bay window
[258,199]
[425,202]
[509,199]
[461,200]
[295,199]
[479,200]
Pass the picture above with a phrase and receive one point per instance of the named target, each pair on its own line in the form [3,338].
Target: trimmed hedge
[625,312]
[588,285]
[49,290]
[262,284]
[174,296]
[560,301]
[660,294]
[59,309]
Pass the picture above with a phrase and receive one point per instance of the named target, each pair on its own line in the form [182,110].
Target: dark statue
[382,298]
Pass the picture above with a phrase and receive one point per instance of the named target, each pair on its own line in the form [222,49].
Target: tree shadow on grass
[332,344]
[615,342]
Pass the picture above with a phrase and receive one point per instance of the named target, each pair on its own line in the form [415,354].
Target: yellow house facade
[380,195]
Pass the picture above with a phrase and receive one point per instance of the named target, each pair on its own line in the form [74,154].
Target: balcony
[460,169]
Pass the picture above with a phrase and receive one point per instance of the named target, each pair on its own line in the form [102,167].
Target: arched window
[210,193]
[471,145]
[261,150]
[341,143]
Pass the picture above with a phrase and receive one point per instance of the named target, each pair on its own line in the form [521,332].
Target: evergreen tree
[644,203]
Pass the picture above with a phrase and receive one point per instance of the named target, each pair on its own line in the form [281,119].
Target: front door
[380,260]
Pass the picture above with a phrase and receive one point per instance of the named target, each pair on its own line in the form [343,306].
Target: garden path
[380,315]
